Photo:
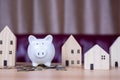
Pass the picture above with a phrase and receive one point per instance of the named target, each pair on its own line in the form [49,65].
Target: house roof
[72,40]
[116,42]
[95,48]
[6,31]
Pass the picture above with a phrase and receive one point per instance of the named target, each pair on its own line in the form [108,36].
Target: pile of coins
[28,68]
[60,67]
[39,68]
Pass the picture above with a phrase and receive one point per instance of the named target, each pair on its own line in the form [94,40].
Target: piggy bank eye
[42,43]
[36,43]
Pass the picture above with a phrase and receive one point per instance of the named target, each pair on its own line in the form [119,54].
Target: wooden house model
[115,53]
[7,48]
[71,53]
[96,58]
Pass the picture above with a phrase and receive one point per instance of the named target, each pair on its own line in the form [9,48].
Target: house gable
[96,48]
[97,56]
[117,41]
[71,52]
[7,47]
[115,53]
[71,41]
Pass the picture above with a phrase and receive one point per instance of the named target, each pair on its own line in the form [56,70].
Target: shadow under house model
[115,53]
[7,48]
[71,53]
[96,58]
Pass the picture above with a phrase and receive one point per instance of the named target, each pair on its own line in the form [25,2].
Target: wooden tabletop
[72,73]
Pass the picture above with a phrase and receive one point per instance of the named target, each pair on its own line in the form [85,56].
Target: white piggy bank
[41,51]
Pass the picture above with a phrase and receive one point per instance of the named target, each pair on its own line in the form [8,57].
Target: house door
[91,66]
[116,64]
[5,63]
[67,63]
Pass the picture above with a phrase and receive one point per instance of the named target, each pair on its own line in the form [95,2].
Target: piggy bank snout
[40,53]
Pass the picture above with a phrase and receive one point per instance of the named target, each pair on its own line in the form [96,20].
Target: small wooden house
[115,53]
[96,58]
[71,53]
[7,48]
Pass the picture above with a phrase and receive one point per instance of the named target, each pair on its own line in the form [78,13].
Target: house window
[0,52]
[102,57]
[0,41]
[72,51]
[78,61]
[78,51]
[10,52]
[11,42]
[72,62]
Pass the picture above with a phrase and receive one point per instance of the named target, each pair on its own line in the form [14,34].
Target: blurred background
[61,16]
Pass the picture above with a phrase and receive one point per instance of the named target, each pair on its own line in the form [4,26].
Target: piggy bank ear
[31,38]
[49,38]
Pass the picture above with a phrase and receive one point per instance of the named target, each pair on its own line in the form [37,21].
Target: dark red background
[86,42]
